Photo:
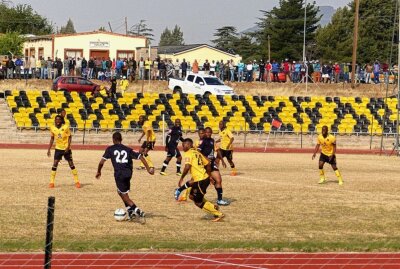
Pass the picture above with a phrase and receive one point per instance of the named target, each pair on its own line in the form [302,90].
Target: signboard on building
[99,44]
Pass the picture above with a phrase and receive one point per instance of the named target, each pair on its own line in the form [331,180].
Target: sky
[198,19]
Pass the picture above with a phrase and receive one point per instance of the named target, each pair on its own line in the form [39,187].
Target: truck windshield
[213,81]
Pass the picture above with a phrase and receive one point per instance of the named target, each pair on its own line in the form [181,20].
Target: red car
[73,84]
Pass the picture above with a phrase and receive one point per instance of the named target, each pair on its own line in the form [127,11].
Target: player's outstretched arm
[149,169]
[100,166]
[315,151]
[50,145]
[186,170]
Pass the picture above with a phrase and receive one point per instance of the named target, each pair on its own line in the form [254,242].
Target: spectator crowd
[162,69]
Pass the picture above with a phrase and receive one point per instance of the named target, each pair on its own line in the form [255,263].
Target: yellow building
[96,44]
[199,52]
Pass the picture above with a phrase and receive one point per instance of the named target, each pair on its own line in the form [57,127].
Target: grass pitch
[276,205]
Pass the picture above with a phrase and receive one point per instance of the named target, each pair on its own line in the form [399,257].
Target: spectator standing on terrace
[268,68]
[26,68]
[346,70]
[141,68]
[49,69]
[385,71]
[43,69]
[84,66]
[18,66]
[249,69]
[368,71]
[232,70]
[78,67]
[336,72]
[177,67]
[286,69]
[163,70]
[317,72]
[184,67]
[59,66]
[377,69]
[275,71]
[154,69]
[212,68]
[325,73]
[71,66]
[240,70]
[65,65]
[222,70]
[206,67]
[195,67]
[91,66]
[32,65]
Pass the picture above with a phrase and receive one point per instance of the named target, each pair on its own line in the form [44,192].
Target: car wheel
[177,90]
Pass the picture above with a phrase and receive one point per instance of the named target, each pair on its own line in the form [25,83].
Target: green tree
[23,19]
[68,28]
[141,29]
[11,42]
[376,25]
[171,38]
[285,27]
[245,47]
[165,38]
[226,38]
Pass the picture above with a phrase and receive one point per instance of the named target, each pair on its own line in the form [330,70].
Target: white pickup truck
[199,84]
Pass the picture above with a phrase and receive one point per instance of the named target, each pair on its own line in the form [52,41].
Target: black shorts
[214,166]
[226,153]
[324,158]
[199,189]
[58,154]
[148,145]
[173,152]
[123,184]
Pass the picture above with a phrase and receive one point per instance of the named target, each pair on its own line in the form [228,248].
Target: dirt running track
[203,261]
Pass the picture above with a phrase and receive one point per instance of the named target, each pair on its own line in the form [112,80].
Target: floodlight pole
[304,42]
[355,43]
[398,88]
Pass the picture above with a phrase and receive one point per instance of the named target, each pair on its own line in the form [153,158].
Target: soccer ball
[120,214]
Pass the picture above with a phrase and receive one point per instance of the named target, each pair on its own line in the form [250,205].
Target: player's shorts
[226,153]
[173,152]
[214,166]
[324,158]
[58,154]
[199,189]
[148,145]
[123,184]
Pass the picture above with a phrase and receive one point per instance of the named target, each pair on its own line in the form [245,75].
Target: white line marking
[224,263]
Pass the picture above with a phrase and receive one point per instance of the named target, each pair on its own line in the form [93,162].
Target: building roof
[185,48]
[49,37]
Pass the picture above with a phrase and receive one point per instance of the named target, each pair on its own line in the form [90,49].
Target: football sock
[219,193]
[184,187]
[210,208]
[178,167]
[148,159]
[321,174]
[74,174]
[339,176]
[164,166]
[53,174]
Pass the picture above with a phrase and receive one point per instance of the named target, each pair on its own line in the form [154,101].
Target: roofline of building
[191,49]
[52,36]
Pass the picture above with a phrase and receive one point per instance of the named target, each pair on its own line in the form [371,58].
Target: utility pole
[397,145]
[355,43]
[109,25]
[126,25]
[269,48]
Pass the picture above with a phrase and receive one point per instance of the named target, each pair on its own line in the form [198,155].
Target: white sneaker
[223,202]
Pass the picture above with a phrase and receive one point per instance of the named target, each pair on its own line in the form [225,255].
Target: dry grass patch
[276,204]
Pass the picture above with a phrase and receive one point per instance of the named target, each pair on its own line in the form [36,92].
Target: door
[99,54]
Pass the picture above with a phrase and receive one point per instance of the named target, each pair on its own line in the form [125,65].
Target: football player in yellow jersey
[225,149]
[328,154]
[62,135]
[150,140]
[200,170]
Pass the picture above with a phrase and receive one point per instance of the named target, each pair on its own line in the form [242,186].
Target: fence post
[48,250]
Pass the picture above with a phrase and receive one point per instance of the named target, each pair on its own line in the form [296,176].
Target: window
[213,81]
[84,82]
[190,78]
[69,81]
[122,54]
[40,52]
[70,53]
[198,80]
[32,52]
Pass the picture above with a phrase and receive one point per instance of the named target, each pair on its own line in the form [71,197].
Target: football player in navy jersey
[171,147]
[121,157]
